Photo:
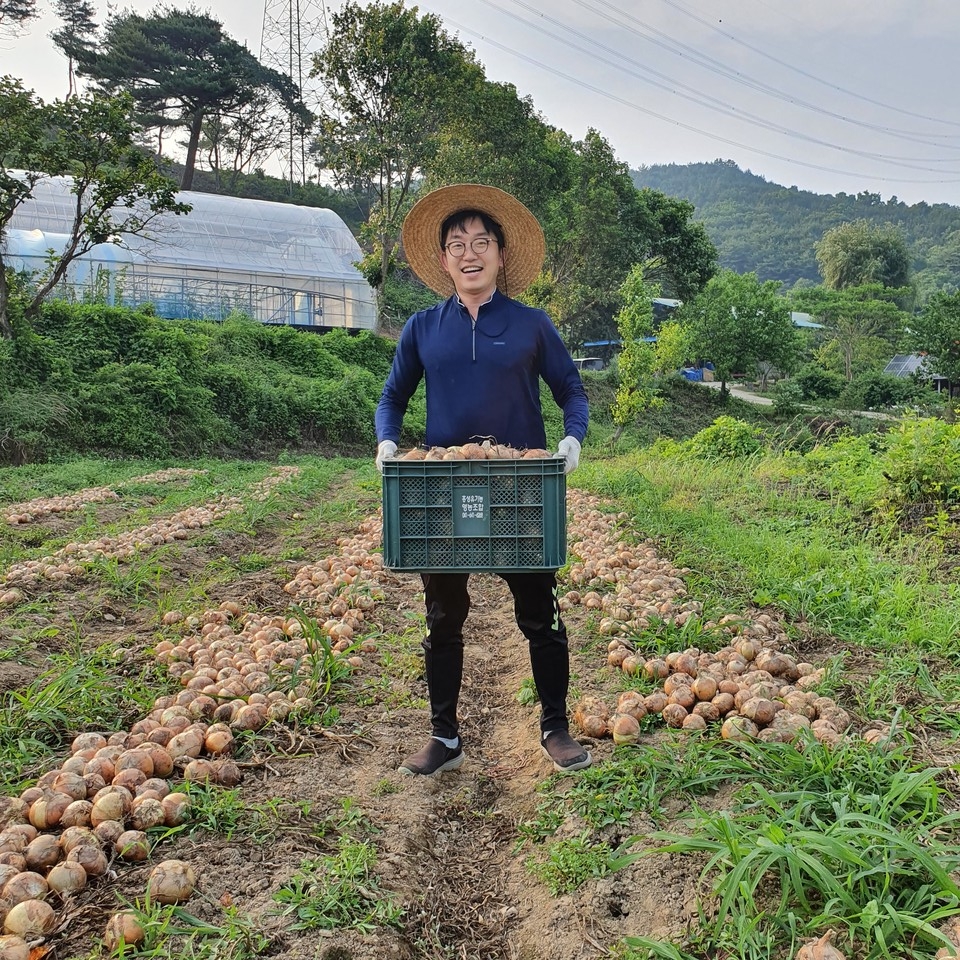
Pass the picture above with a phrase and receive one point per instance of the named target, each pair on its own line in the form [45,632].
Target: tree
[859,253]
[14,14]
[180,67]
[77,35]
[636,390]
[737,322]
[863,324]
[117,191]
[679,255]
[598,227]
[592,241]
[499,138]
[392,81]
[936,332]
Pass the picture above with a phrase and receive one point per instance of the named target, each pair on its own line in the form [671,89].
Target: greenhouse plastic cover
[237,241]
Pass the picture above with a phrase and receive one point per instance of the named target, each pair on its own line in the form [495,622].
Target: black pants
[538,617]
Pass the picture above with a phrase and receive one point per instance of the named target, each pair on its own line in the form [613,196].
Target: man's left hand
[569,449]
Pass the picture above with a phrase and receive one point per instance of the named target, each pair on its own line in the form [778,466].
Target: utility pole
[292,31]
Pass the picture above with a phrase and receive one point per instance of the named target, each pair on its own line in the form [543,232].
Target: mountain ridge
[769,229]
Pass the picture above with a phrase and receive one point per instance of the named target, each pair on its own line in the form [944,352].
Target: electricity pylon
[292,32]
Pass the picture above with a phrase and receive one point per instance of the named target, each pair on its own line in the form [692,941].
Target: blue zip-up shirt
[482,378]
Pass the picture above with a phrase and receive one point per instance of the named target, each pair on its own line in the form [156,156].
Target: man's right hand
[385,451]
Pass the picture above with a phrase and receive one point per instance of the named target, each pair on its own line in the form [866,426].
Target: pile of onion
[751,689]
[69,561]
[628,585]
[475,451]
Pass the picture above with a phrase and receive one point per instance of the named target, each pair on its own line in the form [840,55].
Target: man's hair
[458,221]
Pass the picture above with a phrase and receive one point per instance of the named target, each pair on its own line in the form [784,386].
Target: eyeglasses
[479,245]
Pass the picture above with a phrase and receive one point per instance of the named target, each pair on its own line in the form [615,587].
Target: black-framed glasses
[479,245]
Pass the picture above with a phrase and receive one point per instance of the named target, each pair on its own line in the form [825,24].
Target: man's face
[473,274]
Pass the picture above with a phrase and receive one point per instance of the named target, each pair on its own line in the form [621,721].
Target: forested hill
[770,229]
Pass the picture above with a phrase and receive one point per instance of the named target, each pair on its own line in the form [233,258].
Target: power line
[811,76]
[678,123]
[701,99]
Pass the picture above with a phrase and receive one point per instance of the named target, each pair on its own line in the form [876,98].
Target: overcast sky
[827,95]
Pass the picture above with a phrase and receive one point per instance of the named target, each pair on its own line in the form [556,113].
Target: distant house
[915,365]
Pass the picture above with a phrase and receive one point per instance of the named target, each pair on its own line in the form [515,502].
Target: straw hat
[524,247]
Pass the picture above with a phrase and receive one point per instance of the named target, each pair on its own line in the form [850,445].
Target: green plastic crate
[459,516]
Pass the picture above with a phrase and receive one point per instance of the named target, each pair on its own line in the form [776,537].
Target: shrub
[787,398]
[922,461]
[364,349]
[816,383]
[725,439]
[875,390]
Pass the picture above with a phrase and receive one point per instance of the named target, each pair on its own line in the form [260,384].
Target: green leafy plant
[339,891]
[726,438]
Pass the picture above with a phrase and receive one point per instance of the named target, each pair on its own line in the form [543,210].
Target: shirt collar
[485,302]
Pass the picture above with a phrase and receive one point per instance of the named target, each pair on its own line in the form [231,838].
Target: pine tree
[76,36]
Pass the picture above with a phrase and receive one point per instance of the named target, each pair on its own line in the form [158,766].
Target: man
[482,355]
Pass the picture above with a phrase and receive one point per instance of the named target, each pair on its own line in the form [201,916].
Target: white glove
[569,447]
[385,451]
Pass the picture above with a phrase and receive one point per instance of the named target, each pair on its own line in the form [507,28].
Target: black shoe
[435,757]
[565,752]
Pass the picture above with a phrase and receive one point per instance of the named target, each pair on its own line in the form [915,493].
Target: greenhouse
[276,262]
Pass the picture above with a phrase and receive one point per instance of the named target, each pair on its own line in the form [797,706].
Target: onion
[92,859]
[227,773]
[132,845]
[674,714]
[71,784]
[200,770]
[250,717]
[708,710]
[108,831]
[760,710]
[41,854]
[593,726]
[110,806]
[738,728]
[14,948]
[16,860]
[45,813]
[146,813]
[65,878]
[655,702]
[88,741]
[137,759]
[631,703]
[704,687]
[102,765]
[186,745]
[821,949]
[77,814]
[154,786]
[695,722]
[625,729]
[176,807]
[13,841]
[123,929]
[25,886]
[30,919]
[171,881]
[219,739]
[76,836]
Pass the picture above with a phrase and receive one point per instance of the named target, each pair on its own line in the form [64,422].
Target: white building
[276,262]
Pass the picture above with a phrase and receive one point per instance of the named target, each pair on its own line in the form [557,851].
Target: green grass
[338,891]
[39,720]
